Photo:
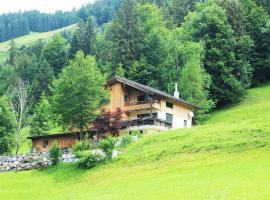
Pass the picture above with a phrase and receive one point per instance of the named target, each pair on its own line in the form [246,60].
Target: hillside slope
[30,39]
[226,158]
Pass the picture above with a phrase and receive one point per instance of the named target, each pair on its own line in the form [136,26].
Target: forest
[213,49]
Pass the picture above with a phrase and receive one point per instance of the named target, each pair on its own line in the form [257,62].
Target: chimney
[176,93]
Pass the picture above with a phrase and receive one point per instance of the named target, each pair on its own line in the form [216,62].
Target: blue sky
[42,5]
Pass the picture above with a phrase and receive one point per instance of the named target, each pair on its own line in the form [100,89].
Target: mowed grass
[30,39]
[226,158]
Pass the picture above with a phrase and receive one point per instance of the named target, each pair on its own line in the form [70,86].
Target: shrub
[89,161]
[125,140]
[81,154]
[136,133]
[81,146]
[107,145]
[55,154]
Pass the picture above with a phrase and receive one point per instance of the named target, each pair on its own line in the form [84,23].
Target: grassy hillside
[29,39]
[226,158]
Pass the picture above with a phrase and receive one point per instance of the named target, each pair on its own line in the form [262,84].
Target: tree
[125,37]
[84,38]
[20,104]
[42,118]
[195,82]
[76,98]
[258,28]
[56,53]
[12,52]
[178,9]
[7,126]
[107,123]
[209,24]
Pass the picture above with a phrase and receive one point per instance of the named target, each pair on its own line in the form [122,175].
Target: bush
[55,154]
[89,161]
[107,145]
[81,146]
[125,140]
[81,154]
[136,133]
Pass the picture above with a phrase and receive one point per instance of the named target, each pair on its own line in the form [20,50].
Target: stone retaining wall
[31,161]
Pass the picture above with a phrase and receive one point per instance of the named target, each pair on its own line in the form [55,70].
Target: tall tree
[125,37]
[7,126]
[258,28]
[76,98]
[195,82]
[12,52]
[209,24]
[84,38]
[56,53]
[20,103]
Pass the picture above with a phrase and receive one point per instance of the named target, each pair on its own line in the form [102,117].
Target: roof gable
[148,90]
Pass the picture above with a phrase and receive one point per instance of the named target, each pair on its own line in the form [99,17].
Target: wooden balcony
[141,105]
[151,121]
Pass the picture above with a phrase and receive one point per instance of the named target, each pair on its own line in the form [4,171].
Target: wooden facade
[44,143]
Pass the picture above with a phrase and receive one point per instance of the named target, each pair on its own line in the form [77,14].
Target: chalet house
[145,109]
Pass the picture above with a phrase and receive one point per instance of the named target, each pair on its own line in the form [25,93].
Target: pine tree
[125,37]
[12,52]
[42,118]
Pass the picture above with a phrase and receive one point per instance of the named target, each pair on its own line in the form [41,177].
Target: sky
[48,6]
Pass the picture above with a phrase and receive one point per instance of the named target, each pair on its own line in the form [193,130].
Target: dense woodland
[213,49]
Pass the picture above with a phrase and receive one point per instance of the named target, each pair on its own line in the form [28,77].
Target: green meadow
[30,39]
[228,157]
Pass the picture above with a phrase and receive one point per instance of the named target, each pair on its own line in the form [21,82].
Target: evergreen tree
[258,28]
[56,53]
[125,37]
[209,24]
[12,52]
[84,38]
[42,118]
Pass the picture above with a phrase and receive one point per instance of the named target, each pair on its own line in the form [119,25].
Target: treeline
[214,50]
[14,25]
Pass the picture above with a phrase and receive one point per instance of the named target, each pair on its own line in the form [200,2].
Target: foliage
[42,118]
[220,59]
[89,161]
[7,126]
[195,82]
[55,154]
[84,38]
[136,132]
[108,123]
[125,140]
[83,145]
[107,145]
[56,53]
[76,98]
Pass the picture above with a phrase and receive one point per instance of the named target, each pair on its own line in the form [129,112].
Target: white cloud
[42,5]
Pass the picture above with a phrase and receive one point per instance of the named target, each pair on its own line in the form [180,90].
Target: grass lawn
[226,158]
[30,39]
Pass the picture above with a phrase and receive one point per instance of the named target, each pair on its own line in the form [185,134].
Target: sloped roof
[148,90]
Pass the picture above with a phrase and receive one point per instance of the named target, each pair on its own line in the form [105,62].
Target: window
[169,118]
[142,116]
[45,143]
[169,105]
[185,123]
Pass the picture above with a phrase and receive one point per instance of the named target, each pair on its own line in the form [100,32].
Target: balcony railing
[141,105]
[152,121]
